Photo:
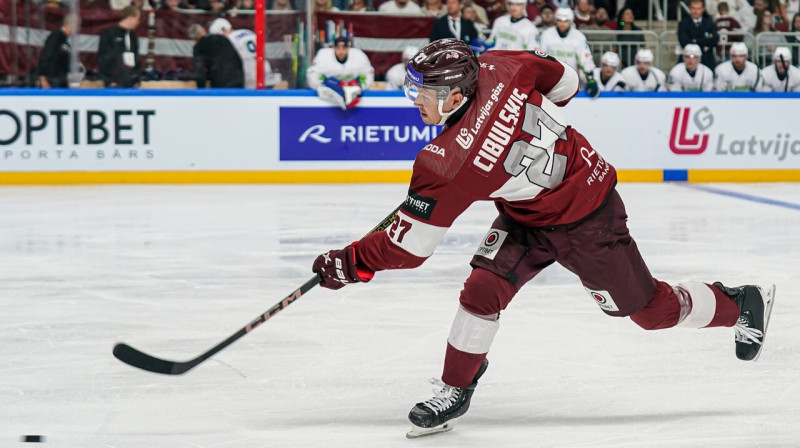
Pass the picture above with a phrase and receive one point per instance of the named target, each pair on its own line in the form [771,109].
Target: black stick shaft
[141,360]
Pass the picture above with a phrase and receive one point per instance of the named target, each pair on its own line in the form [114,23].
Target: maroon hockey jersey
[512,146]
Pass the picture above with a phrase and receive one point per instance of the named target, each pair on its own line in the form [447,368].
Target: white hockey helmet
[739,49]
[644,55]
[518,2]
[782,53]
[692,51]
[409,52]
[610,59]
[564,15]
[219,25]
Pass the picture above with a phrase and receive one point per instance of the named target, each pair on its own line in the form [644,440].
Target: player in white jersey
[244,41]
[340,74]
[643,77]
[514,31]
[690,75]
[607,77]
[396,75]
[565,43]
[738,74]
[781,76]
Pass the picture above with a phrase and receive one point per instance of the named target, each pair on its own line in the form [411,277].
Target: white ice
[172,270]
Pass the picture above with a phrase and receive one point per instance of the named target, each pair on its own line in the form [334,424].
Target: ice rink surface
[173,270]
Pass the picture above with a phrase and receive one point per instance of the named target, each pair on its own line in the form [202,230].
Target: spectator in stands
[282,5]
[788,9]
[738,74]
[533,9]
[781,76]
[340,74]
[726,23]
[55,58]
[568,45]
[479,11]
[214,60]
[768,43]
[433,8]
[583,13]
[325,5]
[396,75]
[468,12]
[143,5]
[737,9]
[698,28]
[494,9]
[690,75]
[644,77]
[118,51]
[601,21]
[607,77]
[245,5]
[453,25]
[360,6]
[629,42]
[513,31]
[793,39]
[546,19]
[405,7]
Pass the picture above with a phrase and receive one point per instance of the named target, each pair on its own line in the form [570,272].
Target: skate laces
[746,334]
[444,396]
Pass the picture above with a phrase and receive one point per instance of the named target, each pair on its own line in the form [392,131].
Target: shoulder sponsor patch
[491,243]
[603,299]
[418,205]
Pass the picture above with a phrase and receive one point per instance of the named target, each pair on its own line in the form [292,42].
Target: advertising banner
[296,132]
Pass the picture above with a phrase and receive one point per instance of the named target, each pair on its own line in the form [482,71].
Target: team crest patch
[603,299]
[492,242]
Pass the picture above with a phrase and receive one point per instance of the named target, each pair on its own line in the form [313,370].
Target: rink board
[108,136]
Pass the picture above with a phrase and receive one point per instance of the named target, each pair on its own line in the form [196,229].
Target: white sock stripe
[704,305]
[471,333]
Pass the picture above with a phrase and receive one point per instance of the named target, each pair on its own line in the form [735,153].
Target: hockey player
[396,75]
[514,31]
[607,77]
[507,140]
[643,77]
[781,75]
[690,75]
[738,74]
[244,41]
[340,74]
[568,45]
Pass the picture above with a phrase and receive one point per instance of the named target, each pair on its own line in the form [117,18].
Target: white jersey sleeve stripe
[415,237]
[566,87]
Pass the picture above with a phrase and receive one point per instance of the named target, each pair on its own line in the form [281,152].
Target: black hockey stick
[139,359]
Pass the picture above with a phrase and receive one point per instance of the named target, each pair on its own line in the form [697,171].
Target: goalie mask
[437,70]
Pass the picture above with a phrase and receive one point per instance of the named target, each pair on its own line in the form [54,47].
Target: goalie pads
[344,94]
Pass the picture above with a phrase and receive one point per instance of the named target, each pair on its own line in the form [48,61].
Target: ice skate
[439,413]
[755,304]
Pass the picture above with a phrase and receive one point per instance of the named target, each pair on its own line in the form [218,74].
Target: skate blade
[416,432]
[769,299]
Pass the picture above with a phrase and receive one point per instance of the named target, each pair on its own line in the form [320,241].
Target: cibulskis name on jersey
[500,133]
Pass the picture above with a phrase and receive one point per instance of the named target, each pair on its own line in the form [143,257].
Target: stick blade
[141,360]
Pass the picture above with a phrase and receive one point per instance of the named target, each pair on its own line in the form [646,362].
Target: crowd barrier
[290,39]
[110,136]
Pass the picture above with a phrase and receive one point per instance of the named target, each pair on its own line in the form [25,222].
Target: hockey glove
[339,268]
[343,94]
[592,89]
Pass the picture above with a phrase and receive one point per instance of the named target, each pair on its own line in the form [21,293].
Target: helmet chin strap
[446,115]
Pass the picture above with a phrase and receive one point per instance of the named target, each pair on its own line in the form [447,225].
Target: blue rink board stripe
[676,175]
[743,196]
